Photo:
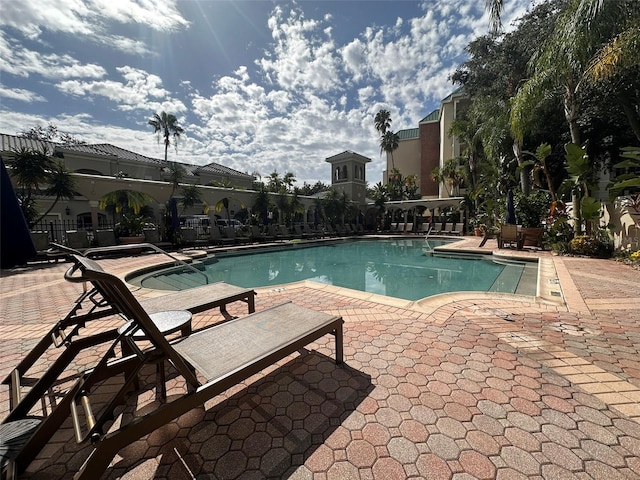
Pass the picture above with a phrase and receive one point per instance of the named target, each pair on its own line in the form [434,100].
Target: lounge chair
[78,240]
[217,238]
[257,235]
[230,233]
[152,235]
[67,337]
[243,347]
[41,242]
[509,235]
[447,229]
[457,229]
[437,228]
[279,232]
[106,238]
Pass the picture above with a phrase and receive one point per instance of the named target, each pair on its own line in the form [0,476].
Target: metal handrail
[96,251]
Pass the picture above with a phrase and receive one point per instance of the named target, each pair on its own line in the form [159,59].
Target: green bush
[532,209]
[591,246]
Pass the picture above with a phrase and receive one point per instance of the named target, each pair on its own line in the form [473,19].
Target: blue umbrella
[175,218]
[511,212]
[17,246]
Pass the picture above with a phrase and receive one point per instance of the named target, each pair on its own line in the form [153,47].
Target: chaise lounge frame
[66,336]
[245,345]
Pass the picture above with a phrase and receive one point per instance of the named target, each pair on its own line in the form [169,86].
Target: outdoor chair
[509,235]
[106,238]
[447,229]
[217,238]
[457,229]
[243,347]
[41,242]
[78,240]
[257,235]
[437,228]
[68,338]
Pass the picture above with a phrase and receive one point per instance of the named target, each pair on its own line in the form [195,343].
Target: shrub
[590,246]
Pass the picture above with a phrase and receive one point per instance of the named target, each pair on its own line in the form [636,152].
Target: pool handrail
[97,251]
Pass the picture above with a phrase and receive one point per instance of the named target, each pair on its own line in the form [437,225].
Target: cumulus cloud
[140,91]
[21,94]
[307,97]
[32,17]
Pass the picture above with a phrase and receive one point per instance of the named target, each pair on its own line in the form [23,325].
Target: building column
[93,204]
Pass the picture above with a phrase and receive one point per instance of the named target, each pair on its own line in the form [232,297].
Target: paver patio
[468,386]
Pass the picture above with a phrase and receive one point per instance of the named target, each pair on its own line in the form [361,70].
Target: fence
[57,228]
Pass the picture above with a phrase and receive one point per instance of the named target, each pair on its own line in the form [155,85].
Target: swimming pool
[401,268]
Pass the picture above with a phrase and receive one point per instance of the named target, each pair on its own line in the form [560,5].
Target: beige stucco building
[422,149]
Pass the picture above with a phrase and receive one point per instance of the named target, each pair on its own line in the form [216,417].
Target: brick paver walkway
[477,387]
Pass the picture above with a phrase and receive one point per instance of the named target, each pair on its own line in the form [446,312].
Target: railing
[57,228]
[97,251]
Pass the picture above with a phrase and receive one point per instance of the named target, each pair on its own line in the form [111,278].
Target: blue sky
[257,85]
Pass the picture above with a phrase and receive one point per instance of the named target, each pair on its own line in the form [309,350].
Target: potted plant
[130,229]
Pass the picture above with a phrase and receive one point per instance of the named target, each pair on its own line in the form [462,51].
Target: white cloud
[304,99]
[140,91]
[32,17]
[21,94]
[304,53]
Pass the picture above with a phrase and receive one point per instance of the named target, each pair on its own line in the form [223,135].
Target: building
[99,169]
[422,149]
[348,175]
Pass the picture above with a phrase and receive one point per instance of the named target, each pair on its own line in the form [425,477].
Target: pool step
[174,281]
[508,279]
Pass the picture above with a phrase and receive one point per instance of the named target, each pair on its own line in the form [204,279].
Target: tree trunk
[571,115]
[525,184]
[632,116]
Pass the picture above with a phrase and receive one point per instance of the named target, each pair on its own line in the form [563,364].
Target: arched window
[344,175]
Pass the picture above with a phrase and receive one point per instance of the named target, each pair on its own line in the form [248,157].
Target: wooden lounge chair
[447,229]
[243,347]
[509,235]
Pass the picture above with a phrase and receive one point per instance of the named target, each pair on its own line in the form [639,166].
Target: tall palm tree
[174,173]
[61,185]
[382,121]
[388,143]
[36,174]
[166,125]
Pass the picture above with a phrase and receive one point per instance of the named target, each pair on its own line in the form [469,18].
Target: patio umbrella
[511,212]
[175,218]
[17,246]
[265,216]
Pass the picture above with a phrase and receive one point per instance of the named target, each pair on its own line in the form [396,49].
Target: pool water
[401,268]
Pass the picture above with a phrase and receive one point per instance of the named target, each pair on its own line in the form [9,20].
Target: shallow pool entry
[401,268]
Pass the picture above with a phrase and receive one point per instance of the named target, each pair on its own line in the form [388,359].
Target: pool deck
[458,386]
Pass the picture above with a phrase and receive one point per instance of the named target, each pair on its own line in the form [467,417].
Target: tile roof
[9,143]
[409,133]
[433,116]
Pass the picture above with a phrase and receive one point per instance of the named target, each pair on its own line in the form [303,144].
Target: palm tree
[388,143]
[275,183]
[37,174]
[190,196]
[262,203]
[289,179]
[175,173]
[382,121]
[61,185]
[125,201]
[166,125]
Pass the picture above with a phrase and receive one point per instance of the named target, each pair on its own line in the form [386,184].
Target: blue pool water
[402,268]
